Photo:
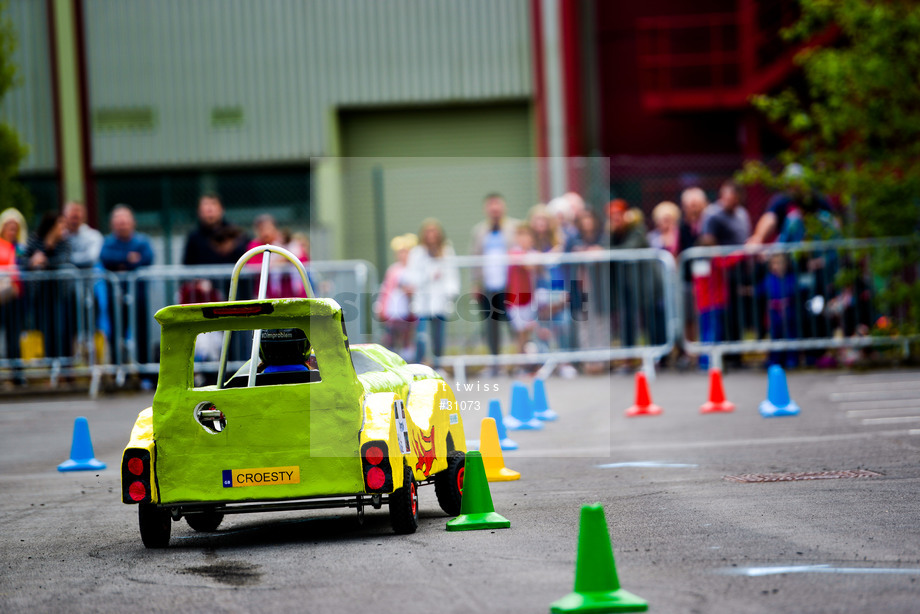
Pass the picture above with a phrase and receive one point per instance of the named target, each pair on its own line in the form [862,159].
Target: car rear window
[282,359]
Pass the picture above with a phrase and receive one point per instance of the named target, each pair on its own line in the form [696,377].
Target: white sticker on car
[454,418]
[402,429]
[445,404]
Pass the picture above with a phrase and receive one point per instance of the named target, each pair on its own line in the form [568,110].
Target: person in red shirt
[521,276]
[9,279]
[283,280]
[710,289]
[13,233]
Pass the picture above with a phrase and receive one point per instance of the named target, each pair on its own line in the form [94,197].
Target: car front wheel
[155,524]
[404,505]
[448,484]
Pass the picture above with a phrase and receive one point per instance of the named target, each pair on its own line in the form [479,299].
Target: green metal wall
[177,83]
[431,162]
[29,108]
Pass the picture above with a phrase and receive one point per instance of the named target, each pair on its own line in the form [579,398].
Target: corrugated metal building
[29,108]
[256,99]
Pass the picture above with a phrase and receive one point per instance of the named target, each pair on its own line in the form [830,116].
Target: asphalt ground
[685,538]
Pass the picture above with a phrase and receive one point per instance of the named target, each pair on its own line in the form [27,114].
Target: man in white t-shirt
[85,242]
[492,238]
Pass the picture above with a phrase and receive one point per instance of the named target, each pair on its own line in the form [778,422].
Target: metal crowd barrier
[793,302]
[796,301]
[591,307]
[47,329]
[76,322]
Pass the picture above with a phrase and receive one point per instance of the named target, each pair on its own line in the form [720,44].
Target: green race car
[308,422]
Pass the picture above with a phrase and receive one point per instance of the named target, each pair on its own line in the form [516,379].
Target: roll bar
[263,287]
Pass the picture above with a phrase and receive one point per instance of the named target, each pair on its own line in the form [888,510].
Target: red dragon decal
[425,455]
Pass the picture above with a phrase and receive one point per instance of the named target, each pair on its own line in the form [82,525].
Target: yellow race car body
[346,433]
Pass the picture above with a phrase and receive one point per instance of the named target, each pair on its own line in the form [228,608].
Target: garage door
[403,166]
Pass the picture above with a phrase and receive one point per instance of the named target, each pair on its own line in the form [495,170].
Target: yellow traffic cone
[492,456]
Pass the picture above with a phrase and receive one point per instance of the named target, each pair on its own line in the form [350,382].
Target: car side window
[364,363]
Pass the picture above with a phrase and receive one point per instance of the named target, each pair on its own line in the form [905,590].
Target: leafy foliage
[854,125]
[12,150]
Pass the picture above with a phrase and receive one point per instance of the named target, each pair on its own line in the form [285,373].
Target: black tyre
[404,505]
[448,484]
[155,524]
[205,522]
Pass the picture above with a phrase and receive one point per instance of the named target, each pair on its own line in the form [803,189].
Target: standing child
[521,277]
[549,292]
[392,306]
[710,290]
[780,288]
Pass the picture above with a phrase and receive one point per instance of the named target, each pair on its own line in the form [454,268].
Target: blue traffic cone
[521,418]
[540,405]
[81,450]
[495,412]
[777,403]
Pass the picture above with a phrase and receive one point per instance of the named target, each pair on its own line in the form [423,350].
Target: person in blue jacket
[125,250]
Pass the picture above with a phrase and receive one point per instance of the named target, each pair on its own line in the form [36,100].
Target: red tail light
[135,476]
[137,491]
[376,478]
[373,454]
[237,310]
[375,462]
[135,466]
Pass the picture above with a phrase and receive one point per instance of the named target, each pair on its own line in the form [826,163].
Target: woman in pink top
[392,306]
[13,235]
[283,281]
[666,235]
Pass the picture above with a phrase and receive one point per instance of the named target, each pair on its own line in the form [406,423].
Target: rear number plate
[263,476]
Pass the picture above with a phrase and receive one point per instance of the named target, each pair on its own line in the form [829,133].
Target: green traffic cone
[597,587]
[476,508]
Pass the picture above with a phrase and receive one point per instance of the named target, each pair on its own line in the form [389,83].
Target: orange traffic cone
[644,405]
[717,401]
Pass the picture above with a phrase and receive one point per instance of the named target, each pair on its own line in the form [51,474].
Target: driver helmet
[284,346]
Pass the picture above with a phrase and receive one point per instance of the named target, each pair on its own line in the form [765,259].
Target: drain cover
[796,477]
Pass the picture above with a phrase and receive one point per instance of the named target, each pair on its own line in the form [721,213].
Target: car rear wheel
[155,524]
[404,505]
[205,522]
[448,484]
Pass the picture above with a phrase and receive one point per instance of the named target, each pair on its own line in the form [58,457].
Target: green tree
[854,125]
[12,150]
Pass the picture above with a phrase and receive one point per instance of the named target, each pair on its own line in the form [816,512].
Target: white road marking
[878,404]
[766,441]
[769,571]
[905,396]
[899,385]
[647,464]
[866,413]
[904,376]
[48,406]
[892,420]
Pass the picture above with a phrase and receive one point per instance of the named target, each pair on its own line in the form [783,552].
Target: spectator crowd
[529,301]
[39,308]
[527,305]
